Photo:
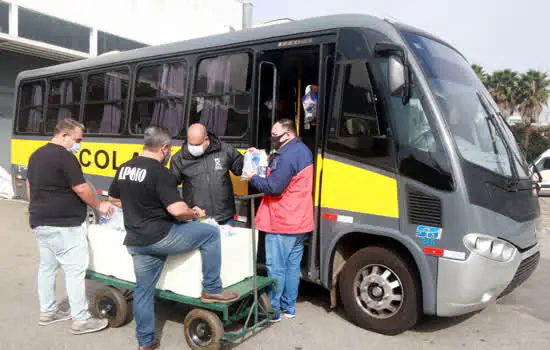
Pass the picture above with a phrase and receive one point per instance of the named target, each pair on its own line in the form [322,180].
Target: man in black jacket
[202,166]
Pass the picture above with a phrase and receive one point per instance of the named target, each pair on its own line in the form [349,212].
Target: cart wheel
[203,329]
[111,304]
[265,303]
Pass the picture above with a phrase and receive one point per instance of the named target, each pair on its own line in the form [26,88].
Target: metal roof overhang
[39,49]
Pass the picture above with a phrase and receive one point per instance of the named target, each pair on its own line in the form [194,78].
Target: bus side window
[30,115]
[421,155]
[63,101]
[357,130]
[159,98]
[222,94]
[106,99]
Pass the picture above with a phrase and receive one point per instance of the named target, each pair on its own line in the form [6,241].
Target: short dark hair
[65,126]
[288,125]
[155,137]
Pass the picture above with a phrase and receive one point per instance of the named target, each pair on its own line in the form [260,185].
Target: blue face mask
[75,149]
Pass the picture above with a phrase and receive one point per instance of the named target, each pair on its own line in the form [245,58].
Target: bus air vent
[423,209]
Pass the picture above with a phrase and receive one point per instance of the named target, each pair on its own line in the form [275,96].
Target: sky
[495,34]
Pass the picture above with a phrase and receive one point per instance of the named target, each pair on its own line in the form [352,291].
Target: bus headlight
[489,247]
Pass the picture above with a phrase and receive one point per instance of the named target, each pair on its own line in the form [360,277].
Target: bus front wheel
[380,291]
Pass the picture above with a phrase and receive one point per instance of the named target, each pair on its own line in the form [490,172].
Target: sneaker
[47,318]
[290,314]
[89,326]
[275,318]
[223,297]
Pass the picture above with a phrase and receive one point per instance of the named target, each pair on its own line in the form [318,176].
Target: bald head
[196,135]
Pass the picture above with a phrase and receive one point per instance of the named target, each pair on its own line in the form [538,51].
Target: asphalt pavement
[518,321]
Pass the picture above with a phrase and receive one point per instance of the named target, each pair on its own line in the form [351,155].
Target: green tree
[481,73]
[534,92]
[505,87]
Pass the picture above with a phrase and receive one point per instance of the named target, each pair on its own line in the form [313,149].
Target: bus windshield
[480,134]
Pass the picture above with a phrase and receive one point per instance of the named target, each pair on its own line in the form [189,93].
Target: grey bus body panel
[477,290]
[377,226]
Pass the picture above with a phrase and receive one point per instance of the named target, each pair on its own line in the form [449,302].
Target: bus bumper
[470,285]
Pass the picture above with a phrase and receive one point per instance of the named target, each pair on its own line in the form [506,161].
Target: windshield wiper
[529,159]
[493,118]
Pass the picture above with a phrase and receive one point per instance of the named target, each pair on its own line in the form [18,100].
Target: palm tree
[534,93]
[481,73]
[504,86]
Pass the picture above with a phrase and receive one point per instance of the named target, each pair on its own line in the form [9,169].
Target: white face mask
[196,151]
[75,149]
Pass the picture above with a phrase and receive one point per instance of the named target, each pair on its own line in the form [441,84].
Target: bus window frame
[82,96]
[19,91]
[187,61]
[100,70]
[246,136]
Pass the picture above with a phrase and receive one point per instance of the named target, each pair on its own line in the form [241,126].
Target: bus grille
[424,209]
[525,269]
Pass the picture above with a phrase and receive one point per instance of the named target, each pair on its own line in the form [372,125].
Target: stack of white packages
[182,273]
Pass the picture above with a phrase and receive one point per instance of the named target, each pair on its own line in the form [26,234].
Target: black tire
[92,216]
[111,304]
[203,329]
[366,291]
[264,303]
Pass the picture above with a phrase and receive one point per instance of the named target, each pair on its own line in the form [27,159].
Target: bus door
[294,76]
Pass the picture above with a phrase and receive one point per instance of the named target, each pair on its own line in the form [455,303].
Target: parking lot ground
[520,320]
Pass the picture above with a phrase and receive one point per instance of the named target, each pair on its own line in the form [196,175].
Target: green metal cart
[205,324]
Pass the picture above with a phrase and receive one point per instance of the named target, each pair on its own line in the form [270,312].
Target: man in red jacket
[286,213]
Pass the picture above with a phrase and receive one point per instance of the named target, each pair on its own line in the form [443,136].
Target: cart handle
[249,196]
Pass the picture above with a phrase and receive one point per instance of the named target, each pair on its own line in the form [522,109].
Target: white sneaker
[89,326]
[48,318]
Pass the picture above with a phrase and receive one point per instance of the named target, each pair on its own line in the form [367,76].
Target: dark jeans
[149,261]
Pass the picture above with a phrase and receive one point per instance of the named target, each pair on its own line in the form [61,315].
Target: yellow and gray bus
[423,202]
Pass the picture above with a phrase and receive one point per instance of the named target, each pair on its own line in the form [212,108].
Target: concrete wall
[10,65]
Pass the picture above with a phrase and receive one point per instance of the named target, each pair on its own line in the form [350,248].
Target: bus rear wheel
[380,291]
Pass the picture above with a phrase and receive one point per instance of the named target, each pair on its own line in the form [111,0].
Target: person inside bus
[202,166]
[285,213]
[157,225]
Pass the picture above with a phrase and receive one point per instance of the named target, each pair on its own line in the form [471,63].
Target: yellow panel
[98,158]
[351,188]
[318,171]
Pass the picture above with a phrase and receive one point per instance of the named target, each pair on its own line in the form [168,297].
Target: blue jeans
[283,256]
[68,247]
[149,261]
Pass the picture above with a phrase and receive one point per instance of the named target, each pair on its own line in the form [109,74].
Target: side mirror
[398,68]
[397,76]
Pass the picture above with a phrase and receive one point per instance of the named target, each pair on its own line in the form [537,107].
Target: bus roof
[316,24]
[310,25]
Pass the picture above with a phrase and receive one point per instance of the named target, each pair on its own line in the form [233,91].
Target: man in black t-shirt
[58,195]
[156,222]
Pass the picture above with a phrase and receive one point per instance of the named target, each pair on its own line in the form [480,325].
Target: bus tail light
[490,247]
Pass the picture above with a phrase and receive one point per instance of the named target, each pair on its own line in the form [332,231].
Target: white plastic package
[115,221]
[255,163]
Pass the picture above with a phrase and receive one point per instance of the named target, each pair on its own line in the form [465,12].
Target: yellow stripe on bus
[98,158]
[354,189]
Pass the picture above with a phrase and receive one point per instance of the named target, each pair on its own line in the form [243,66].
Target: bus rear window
[106,99]
[221,99]
[159,98]
[63,101]
[30,116]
